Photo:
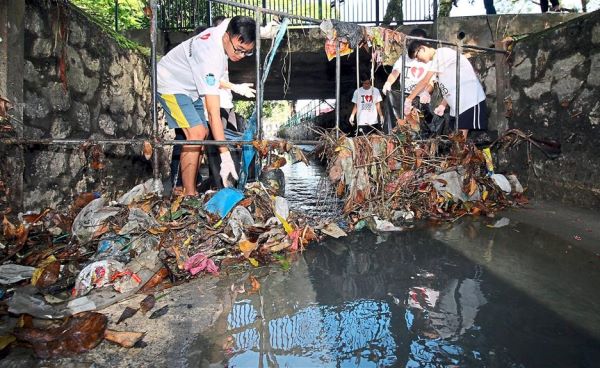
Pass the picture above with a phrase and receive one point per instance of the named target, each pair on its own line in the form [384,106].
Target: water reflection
[405,300]
[353,334]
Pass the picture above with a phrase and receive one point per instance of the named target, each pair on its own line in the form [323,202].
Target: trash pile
[64,267]
[387,181]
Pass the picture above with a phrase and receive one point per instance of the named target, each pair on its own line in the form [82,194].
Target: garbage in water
[63,267]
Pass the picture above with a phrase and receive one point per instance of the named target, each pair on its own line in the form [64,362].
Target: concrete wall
[80,83]
[555,95]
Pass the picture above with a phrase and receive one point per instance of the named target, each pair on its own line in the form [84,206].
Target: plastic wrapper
[96,275]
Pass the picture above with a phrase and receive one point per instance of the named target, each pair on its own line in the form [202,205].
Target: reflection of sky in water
[354,334]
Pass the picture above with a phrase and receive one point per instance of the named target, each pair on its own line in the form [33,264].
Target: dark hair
[217,20]
[244,27]
[414,46]
[418,32]
[200,29]
[364,77]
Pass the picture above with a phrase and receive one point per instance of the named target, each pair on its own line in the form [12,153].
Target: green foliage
[131,12]
[245,108]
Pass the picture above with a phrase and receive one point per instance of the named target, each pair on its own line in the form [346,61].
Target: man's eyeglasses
[240,52]
[418,51]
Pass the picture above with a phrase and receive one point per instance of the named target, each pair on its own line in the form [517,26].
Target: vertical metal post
[337,76]
[116,15]
[209,13]
[155,158]
[377,12]
[457,108]
[259,90]
[357,87]
[402,77]
[264,18]
[321,8]
[435,11]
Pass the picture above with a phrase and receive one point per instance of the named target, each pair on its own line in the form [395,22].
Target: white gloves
[351,120]
[424,98]
[439,111]
[227,168]
[407,106]
[386,87]
[269,30]
[244,89]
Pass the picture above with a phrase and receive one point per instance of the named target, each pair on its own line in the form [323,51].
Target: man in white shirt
[193,70]
[367,104]
[473,111]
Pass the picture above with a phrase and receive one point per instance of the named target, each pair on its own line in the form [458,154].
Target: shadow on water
[465,295]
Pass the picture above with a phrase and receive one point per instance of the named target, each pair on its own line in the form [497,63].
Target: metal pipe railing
[155,135]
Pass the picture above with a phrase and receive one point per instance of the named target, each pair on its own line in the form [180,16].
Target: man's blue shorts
[181,111]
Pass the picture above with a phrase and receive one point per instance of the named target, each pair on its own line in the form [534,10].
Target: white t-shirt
[471,90]
[366,105]
[415,71]
[195,66]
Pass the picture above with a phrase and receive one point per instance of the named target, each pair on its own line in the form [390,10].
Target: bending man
[473,112]
[193,70]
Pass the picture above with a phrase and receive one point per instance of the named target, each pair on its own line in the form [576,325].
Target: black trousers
[544,4]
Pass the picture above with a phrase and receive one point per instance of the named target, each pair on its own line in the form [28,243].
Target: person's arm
[379,112]
[351,120]
[243,89]
[441,108]
[390,80]
[213,103]
[423,83]
[213,108]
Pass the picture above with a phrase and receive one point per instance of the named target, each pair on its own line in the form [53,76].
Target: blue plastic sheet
[224,201]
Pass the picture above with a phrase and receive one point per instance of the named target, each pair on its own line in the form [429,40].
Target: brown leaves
[5,105]
[247,247]
[124,338]
[128,312]
[18,234]
[76,334]
[147,150]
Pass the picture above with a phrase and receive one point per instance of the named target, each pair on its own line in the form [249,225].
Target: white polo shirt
[195,66]
[471,90]
[366,105]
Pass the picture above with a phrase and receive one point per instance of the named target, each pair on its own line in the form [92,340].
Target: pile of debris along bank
[59,268]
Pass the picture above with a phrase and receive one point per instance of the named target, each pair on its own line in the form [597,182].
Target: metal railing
[308,113]
[187,15]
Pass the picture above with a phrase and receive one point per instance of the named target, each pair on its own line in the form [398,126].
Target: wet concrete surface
[460,294]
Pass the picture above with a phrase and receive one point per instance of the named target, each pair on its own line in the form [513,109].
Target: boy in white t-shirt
[414,72]
[367,104]
[192,72]
[473,111]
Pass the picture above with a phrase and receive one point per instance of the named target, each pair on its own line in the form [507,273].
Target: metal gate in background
[187,15]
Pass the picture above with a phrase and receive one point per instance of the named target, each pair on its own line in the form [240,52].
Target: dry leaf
[147,303]
[254,284]
[77,334]
[247,247]
[124,338]
[147,150]
[127,313]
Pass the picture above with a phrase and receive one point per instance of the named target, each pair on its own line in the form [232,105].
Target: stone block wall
[555,93]
[82,83]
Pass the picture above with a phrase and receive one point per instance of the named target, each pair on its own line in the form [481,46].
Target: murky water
[460,295]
